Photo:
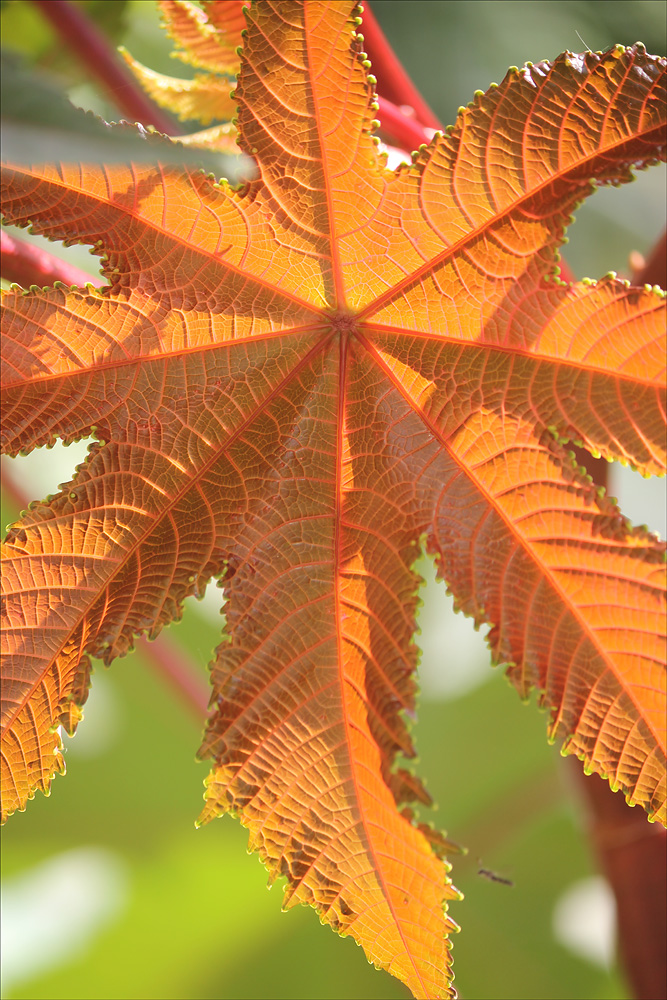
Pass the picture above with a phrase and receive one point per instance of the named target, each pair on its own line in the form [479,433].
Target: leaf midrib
[338,575]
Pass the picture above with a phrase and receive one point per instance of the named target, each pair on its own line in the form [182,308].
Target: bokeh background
[108,889]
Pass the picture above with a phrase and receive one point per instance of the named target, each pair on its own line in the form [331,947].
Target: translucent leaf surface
[294,385]
[204,98]
[207,36]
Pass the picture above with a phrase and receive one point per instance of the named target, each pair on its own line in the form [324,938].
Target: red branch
[179,671]
[27,265]
[94,51]
[397,87]
[632,854]
[406,131]
[16,493]
[654,271]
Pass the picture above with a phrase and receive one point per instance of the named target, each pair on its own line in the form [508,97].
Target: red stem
[179,671]
[407,132]
[632,854]
[654,271]
[94,51]
[397,87]
[16,493]
[27,265]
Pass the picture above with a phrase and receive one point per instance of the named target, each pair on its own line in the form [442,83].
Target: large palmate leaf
[295,386]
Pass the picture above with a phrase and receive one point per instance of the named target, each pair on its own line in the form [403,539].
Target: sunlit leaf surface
[295,384]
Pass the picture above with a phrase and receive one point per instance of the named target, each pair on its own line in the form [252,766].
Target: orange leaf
[204,98]
[206,38]
[291,386]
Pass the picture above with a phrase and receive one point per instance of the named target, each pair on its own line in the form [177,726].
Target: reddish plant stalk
[27,265]
[632,853]
[407,132]
[654,271]
[16,493]
[397,87]
[82,36]
[178,669]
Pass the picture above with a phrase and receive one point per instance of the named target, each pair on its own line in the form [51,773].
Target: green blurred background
[110,892]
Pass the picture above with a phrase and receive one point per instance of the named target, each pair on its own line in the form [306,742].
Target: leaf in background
[36,115]
[209,39]
[291,385]
[205,97]
[206,38]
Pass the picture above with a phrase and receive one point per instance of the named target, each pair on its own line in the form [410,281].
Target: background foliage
[108,889]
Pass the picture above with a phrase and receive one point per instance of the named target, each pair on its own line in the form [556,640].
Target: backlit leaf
[204,98]
[297,385]
[206,38]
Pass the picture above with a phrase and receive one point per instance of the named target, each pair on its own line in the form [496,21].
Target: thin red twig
[27,265]
[654,271]
[94,51]
[16,493]
[406,131]
[632,854]
[178,669]
[393,80]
